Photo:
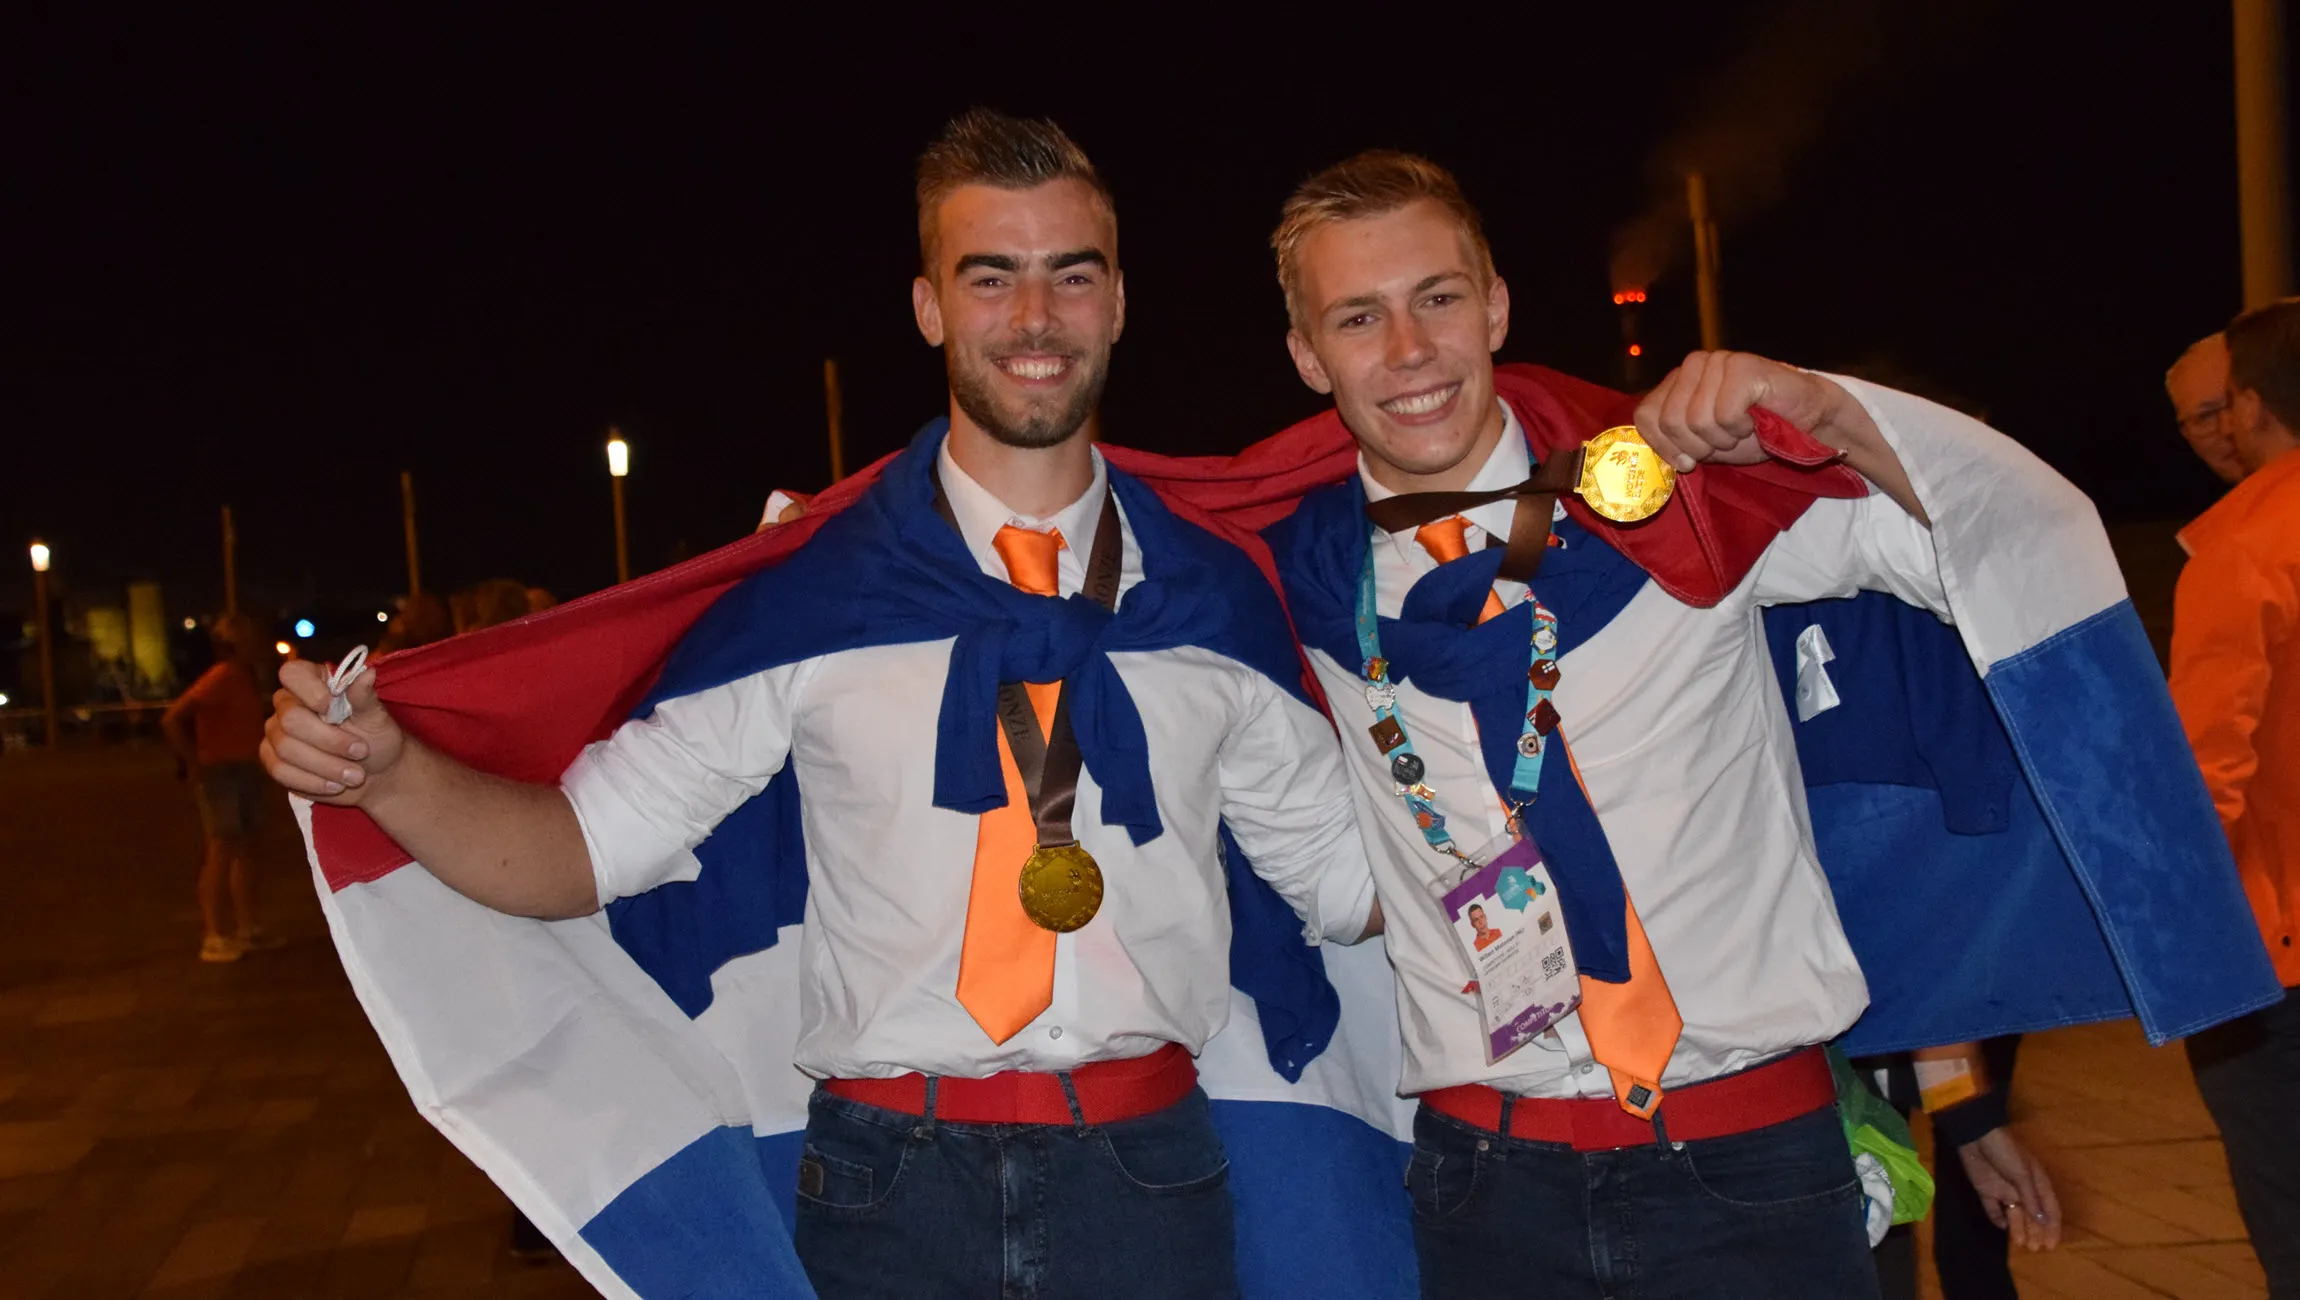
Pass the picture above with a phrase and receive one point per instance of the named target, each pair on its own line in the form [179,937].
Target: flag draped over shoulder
[655,1137]
[627,1078]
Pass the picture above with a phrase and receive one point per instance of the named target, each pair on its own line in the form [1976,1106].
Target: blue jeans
[1774,1212]
[906,1206]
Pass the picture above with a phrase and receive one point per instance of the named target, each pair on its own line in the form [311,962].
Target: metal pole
[2263,177]
[47,661]
[1705,261]
[836,408]
[407,520]
[622,536]
[231,565]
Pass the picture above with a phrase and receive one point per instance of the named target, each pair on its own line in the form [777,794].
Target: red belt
[1780,1090]
[1108,1091]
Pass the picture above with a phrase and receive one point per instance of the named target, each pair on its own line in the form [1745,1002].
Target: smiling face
[1400,323]
[2198,387]
[1025,300]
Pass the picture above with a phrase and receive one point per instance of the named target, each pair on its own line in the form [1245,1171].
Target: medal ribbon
[1536,501]
[1048,758]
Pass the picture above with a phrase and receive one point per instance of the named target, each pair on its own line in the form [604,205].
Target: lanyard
[1389,732]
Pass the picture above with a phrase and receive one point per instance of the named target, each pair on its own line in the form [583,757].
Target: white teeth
[1420,403]
[1022,368]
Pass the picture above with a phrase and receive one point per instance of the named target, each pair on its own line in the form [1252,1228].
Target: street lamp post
[40,556]
[618,466]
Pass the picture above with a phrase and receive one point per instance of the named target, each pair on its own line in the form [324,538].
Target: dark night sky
[274,265]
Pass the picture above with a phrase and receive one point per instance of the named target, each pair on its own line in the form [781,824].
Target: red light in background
[1620,298]
[1636,351]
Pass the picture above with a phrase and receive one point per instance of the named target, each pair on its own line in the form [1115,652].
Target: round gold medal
[1622,478]
[1061,887]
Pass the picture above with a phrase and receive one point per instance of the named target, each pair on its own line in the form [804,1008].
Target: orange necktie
[1006,964]
[1632,1027]
[1446,540]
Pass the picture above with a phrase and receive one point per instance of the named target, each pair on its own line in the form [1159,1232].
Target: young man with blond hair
[1534,693]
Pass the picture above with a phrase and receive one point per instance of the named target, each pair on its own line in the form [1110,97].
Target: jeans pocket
[1172,1153]
[850,1166]
[1796,1164]
[1444,1172]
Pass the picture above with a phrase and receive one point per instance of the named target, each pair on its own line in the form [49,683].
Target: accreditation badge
[1505,920]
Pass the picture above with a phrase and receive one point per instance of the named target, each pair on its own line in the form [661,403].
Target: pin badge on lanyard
[1498,902]
[1407,767]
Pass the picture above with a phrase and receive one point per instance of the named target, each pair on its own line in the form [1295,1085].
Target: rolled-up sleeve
[647,795]
[1287,800]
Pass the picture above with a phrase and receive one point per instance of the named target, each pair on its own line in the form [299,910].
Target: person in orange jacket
[2236,682]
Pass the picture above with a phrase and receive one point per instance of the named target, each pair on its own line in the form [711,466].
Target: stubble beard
[1039,424]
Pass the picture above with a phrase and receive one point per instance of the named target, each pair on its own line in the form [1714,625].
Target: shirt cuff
[1349,904]
[629,854]
[1970,1120]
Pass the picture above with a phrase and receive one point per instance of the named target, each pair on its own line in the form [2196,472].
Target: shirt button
[1587,1068]
[1055,1032]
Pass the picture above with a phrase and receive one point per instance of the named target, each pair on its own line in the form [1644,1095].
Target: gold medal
[1061,887]
[1622,478]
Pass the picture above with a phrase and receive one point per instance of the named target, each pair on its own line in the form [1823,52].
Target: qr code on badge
[1553,963]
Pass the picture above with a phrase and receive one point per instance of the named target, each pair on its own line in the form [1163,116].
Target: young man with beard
[1021,698]
[1675,1135]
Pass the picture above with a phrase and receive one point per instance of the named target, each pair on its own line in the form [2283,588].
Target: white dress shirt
[889,873]
[1677,724]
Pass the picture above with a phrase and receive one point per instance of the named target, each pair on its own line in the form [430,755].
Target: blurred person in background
[2198,387]
[487,604]
[421,620]
[2236,682]
[216,727]
[1993,1195]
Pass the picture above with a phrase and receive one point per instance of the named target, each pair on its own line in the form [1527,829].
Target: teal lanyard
[1389,731]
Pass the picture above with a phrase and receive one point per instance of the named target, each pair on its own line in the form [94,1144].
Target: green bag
[1873,1128]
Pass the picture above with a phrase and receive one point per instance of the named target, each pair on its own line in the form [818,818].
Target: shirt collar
[2237,502]
[1508,465]
[980,515]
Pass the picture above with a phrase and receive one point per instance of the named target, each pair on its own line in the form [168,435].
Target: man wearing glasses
[2233,660]
[2198,387]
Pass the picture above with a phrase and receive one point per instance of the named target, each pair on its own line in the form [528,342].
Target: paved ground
[177,1130]
[180,1130]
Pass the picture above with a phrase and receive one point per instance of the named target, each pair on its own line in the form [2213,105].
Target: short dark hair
[2264,356]
[983,146]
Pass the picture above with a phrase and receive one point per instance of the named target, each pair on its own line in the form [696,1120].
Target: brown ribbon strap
[1049,760]
[1528,528]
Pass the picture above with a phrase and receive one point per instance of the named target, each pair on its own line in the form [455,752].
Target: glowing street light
[283,648]
[619,465]
[40,558]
